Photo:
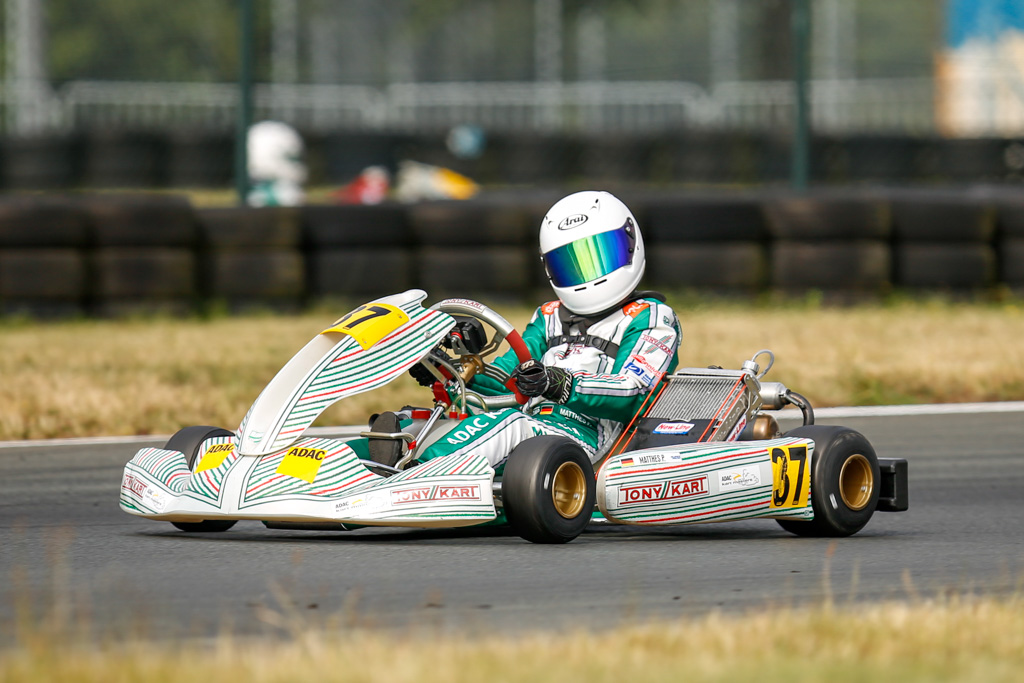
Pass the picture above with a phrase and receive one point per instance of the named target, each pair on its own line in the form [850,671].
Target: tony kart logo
[431,493]
[671,490]
[573,221]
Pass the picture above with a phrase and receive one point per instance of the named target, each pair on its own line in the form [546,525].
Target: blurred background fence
[686,109]
[140,92]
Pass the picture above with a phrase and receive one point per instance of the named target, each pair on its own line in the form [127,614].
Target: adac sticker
[740,478]
[214,456]
[302,463]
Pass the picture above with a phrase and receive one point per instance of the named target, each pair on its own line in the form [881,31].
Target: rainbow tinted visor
[589,258]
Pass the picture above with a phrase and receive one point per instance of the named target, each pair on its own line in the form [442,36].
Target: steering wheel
[472,364]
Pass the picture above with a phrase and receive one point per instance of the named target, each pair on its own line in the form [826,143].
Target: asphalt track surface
[66,549]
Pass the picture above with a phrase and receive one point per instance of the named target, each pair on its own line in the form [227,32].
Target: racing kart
[703,447]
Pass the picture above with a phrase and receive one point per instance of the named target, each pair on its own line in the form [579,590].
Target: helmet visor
[589,258]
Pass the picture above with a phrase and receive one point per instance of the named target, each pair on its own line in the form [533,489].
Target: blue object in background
[984,20]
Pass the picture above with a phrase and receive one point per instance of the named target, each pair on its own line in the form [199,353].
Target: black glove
[533,378]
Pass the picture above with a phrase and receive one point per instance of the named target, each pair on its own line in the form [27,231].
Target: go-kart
[700,449]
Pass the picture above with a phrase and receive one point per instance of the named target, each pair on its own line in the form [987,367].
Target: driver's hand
[533,378]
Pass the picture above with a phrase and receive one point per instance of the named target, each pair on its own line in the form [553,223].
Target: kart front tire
[188,441]
[548,489]
[845,482]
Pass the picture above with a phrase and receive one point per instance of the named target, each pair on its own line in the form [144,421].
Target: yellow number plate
[214,456]
[791,476]
[370,323]
[302,463]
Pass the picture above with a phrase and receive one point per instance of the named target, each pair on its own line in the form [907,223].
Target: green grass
[145,376]
[949,639]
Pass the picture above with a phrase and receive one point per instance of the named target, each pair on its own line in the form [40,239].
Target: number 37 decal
[791,476]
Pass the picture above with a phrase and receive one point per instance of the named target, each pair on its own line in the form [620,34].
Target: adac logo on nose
[573,221]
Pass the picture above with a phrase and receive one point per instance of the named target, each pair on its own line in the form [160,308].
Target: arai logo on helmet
[573,221]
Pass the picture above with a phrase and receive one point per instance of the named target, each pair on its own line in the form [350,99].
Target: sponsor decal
[465,302]
[463,434]
[636,308]
[133,484]
[155,498]
[432,493]
[370,323]
[673,428]
[744,478]
[737,430]
[651,459]
[373,502]
[573,221]
[214,456]
[550,307]
[654,343]
[302,463]
[641,369]
[671,490]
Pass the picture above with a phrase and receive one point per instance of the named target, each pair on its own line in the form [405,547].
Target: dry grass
[85,378]
[958,639]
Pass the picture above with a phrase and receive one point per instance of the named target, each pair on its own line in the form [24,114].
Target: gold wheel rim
[569,490]
[856,482]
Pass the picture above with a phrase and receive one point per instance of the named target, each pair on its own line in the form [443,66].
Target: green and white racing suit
[614,362]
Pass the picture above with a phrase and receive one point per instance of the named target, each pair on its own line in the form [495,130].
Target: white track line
[353,430]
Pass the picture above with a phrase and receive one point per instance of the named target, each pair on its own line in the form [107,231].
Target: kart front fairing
[368,348]
[267,471]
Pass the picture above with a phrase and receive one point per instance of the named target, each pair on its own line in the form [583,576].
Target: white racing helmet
[592,250]
[275,153]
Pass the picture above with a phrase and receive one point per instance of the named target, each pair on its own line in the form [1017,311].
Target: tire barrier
[857,266]
[202,161]
[494,271]
[245,227]
[733,266]
[703,219]
[936,217]
[42,281]
[944,266]
[465,224]
[254,276]
[120,273]
[382,225]
[141,220]
[108,253]
[362,272]
[135,280]
[124,160]
[42,221]
[820,217]
[39,163]
[1011,254]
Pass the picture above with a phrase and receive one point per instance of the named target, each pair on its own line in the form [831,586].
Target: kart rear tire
[188,441]
[548,489]
[845,482]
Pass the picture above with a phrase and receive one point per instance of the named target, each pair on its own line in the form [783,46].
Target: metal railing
[838,106]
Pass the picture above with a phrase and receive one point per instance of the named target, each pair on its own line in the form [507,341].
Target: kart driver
[597,350]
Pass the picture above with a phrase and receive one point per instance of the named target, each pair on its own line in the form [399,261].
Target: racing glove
[533,378]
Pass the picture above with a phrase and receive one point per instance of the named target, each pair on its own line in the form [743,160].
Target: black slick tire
[188,441]
[845,482]
[548,489]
